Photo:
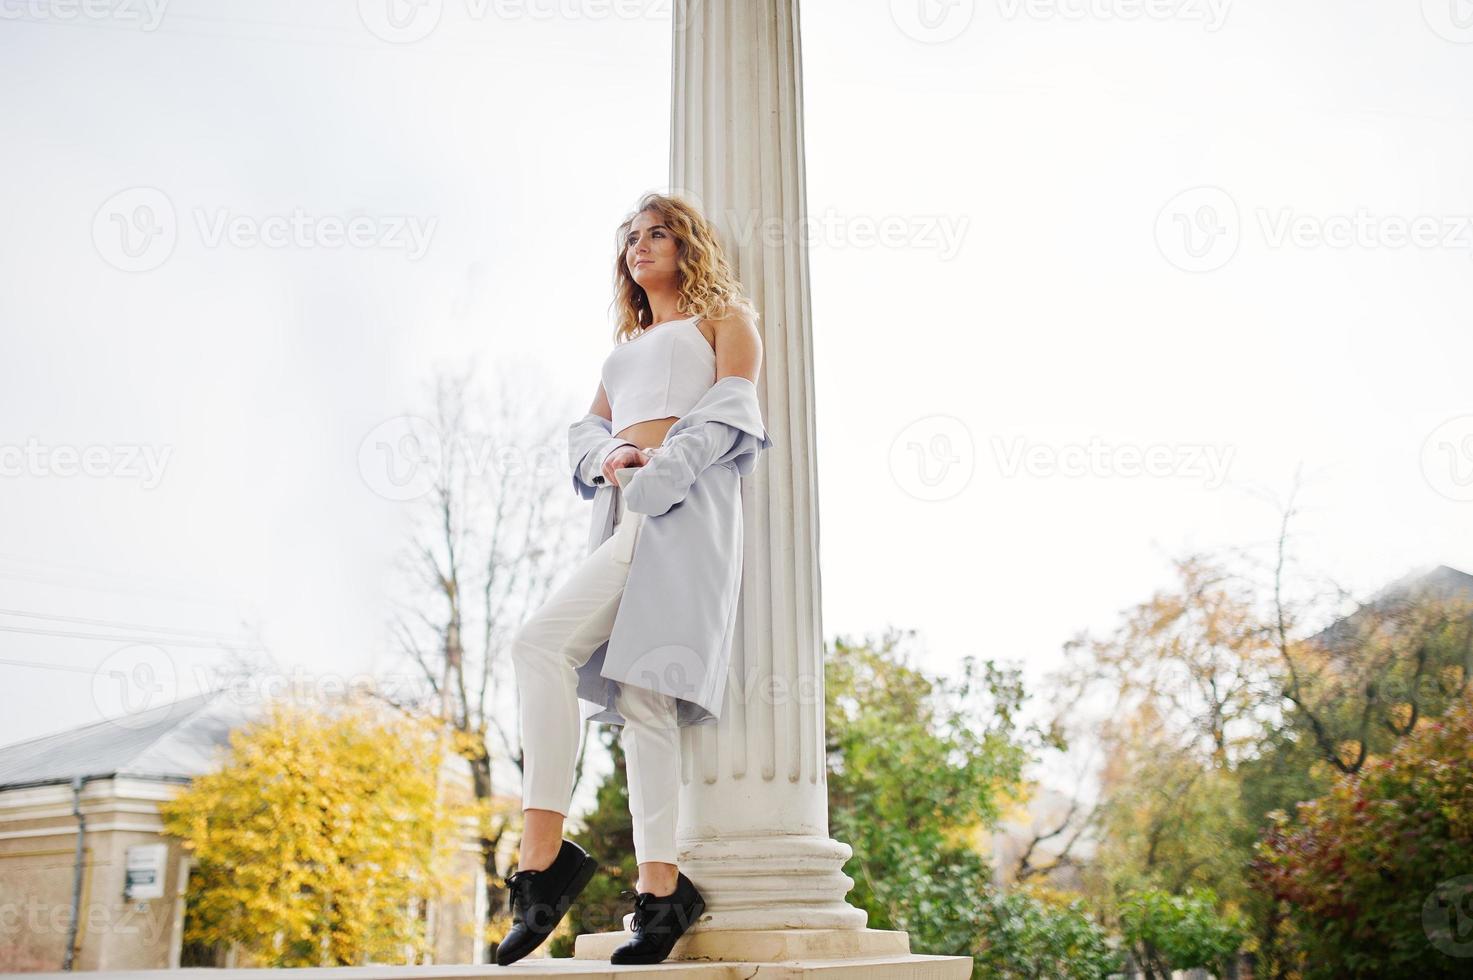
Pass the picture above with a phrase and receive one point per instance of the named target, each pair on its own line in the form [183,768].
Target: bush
[1374,875]
[1026,937]
[1179,932]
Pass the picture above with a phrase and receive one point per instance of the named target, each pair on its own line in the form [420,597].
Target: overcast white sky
[1112,228]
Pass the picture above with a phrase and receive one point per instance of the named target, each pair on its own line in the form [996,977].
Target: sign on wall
[146,871]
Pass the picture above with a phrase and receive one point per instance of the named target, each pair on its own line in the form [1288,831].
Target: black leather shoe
[540,899]
[659,920]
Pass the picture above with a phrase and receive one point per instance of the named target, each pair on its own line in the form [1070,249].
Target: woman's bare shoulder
[735,321]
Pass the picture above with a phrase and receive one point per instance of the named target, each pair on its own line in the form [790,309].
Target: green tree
[917,766]
[1360,685]
[1175,697]
[1169,932]
[322,838]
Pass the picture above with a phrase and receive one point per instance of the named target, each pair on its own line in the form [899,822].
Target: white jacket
[675,623]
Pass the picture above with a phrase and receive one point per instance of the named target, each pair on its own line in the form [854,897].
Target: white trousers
[557,639]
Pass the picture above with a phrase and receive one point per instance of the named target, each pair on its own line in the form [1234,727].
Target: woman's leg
[556,640]
[651,742]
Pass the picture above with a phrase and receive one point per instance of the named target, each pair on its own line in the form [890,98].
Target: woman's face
[649,251]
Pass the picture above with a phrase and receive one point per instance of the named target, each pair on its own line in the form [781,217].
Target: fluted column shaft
[754,801]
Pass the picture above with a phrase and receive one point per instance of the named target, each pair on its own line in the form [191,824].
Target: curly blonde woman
[641,631]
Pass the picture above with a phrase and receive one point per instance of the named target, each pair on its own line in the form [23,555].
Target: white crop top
[662,372]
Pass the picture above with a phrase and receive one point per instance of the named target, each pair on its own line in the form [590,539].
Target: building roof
[173,742]
[1442,584]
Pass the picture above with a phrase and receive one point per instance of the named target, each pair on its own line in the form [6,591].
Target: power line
[74,566]
[131,582]
[199,634]
[368,43]
[116,590]
[157,641]
[32,663]
[353,40]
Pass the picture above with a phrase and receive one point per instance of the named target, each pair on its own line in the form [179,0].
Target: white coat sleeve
[664,481]
[590,442]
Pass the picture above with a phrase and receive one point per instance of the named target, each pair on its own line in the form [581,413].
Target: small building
[80,828]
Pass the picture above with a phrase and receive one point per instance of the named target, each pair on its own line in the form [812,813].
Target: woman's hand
[622,457]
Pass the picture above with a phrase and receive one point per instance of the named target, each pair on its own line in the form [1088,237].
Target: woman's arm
[738,347]
[590,441]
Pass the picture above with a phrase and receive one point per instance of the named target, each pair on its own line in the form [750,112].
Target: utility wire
[33,663]
[157,641]
[199,634]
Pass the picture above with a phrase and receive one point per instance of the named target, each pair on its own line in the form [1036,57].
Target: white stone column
[754,814]
[754,808]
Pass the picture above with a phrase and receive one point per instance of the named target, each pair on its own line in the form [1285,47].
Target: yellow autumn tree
[322,838]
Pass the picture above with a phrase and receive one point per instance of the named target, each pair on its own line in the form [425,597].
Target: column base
[758,945]
[771,882]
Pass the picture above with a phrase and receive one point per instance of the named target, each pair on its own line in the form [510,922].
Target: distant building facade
[80,827]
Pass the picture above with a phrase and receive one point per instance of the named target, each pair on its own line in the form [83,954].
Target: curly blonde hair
[707,287]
